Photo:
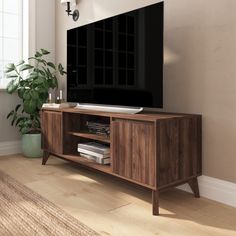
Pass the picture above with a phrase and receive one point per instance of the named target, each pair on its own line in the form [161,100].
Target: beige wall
[45,26]
[201,34]
[7,103]
[90,11]
[200,74]
[42,35]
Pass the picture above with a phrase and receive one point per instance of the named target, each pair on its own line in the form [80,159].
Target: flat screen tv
[118,61]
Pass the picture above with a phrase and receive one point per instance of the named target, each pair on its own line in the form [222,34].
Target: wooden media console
[155,150]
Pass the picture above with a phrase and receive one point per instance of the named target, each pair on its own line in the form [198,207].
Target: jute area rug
[25,213]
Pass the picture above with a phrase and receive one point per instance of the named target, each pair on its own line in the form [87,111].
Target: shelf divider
[87,135]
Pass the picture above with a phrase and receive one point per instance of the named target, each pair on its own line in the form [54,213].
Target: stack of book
[98,128]
[95,152]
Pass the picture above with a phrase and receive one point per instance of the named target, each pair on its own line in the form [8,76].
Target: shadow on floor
[174,203]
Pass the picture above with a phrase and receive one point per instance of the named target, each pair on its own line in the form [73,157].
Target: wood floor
[114,207]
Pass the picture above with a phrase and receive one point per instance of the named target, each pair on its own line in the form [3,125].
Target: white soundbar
[127,110]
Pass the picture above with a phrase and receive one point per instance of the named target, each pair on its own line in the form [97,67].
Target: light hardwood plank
[114,207]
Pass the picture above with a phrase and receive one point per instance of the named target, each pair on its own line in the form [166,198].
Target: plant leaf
[21,92]
[38,54]
[30,106]
[32,58]
[44,52]
[17,107]
[39,80]
[39,104]
[61,69]
[34,95]
[24,130]
[43,96]
[54,83]
[41,61]
[14,118]
[9,68]
[26,67]
[11,75]
[20,63]
[32,75]
[49,73]
[26,95]
[51,65]
[10,114]
[19,120]
[41,72]
[12,86]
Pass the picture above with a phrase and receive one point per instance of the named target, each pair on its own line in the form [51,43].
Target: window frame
[24,37]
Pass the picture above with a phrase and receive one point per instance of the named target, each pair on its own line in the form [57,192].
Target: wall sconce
[69,4]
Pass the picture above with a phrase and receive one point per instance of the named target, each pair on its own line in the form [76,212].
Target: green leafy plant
[33,89]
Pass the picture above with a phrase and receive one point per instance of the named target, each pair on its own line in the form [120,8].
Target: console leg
[155,202]
[45,157]
[193,183]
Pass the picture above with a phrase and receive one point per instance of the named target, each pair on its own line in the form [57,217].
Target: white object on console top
[127,110]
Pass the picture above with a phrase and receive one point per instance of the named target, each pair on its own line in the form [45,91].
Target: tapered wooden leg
[45,157]
[155,202]
[193,183]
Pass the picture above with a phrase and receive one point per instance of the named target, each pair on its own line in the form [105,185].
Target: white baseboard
[10,148]
[215,189]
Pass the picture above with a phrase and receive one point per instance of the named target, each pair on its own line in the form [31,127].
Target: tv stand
[127,110]
[154,150]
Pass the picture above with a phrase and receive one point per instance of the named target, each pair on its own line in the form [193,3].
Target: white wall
[200,74]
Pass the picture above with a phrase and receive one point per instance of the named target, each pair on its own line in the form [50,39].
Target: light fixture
[69,4]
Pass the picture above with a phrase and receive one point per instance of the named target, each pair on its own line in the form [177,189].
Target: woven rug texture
[25,213]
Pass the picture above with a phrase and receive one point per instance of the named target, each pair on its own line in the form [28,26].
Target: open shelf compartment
[97,137]
[76,131]
[80,160]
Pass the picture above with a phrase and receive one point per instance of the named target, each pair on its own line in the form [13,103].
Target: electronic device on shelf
[117,61]
[98,128]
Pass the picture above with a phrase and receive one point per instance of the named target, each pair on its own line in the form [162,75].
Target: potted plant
[32,82]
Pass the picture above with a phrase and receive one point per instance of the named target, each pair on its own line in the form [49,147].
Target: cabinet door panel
[133,151]
[122,133]
[143,157]
[52,131]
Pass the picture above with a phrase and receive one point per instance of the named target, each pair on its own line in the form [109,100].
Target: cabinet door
[133,151]
[52,131]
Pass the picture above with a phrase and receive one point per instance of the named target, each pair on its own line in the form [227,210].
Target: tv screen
[118,61]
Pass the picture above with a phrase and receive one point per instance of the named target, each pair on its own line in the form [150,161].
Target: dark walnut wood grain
[133,150]
[155,202]
[52,131]
[154,150]
[46,155]
[179,150]
[193,183]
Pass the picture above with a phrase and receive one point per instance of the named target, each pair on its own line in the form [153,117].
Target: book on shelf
[103,161]
[92,153]
[95,148]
